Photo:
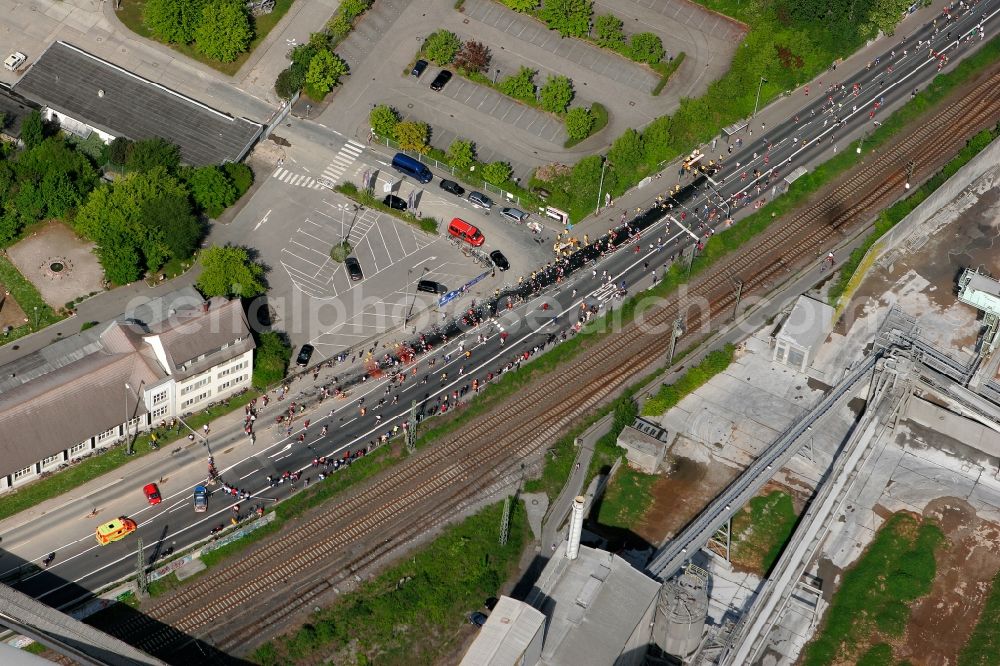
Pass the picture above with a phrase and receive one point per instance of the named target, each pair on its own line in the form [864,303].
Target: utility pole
[757,103]
[677,332]
[505,522]
[694,248]
[411,431]
[739,294]
[600,188]
[909,172]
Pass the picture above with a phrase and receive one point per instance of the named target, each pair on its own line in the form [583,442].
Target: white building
[169,357]
[802,332]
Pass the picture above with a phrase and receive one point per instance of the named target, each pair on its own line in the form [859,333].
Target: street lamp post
[409,312]
[757,103]
[600,188]
[862,142]
[496,75]
[128,438]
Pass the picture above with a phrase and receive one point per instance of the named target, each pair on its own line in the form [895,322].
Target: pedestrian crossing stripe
[297,180]
[344,158]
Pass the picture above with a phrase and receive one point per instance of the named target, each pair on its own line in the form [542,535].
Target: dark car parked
[443,77]
[392,201]
[499,260]
[418,68]
[452,187]
[431,287]
[353,269]
[302,360]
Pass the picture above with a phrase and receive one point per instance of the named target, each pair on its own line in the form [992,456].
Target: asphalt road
[82,565]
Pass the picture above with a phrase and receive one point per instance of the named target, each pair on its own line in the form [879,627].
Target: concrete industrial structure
[162,359]
[87,95]
[645,445]
[597,609]
[802,332]
[512,636]
[681,612]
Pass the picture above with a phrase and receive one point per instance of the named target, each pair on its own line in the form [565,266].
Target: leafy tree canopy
[224,31]
[325,71]
[383,119]
[173,21]
[556,94]
[270,359]
[608,31]
[32,130]
[521,5]
[473,57]
[579,122]
[570,17]
[441,47]
[646,47]
[230,271]
[496,173]
[461,153]
[520,86]
[211,189]
[412,135]
[150,154]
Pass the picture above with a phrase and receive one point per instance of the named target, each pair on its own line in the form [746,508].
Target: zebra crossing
[344,158]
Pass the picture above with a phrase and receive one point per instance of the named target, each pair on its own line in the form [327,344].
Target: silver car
[514,214]
[480,200]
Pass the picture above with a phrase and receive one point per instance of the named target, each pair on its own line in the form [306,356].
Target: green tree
[117,217]
[521,5]
[441,46]
[270,359]
[172,216]
[383,120]
[520,86]
[412,135]
[240,175]
[570,17]
[224,31]
[10,227]
[325,71]
[52,179]
[556,94]
[173,21]
[656,141]
[579,122]
[497,173]
[150,154]
[288,83]
[230,271]
[646,47]
[462,153]
[608,32]
[626,153]
[32,129]
[211,189]
[585,179]
[117,151]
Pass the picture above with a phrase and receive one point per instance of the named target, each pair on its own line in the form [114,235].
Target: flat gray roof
[808,324]
[94,91]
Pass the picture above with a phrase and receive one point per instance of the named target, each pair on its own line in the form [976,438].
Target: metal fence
[457,173]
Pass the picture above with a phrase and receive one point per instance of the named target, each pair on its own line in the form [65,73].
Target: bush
[324,73]
[522,6]
[339,26]
[240,175]
[383,120]
[289,82]
[462,154]
[646,47]
[579,122]
[570,17]
[496,173]
[474,57]
[352,9]
[520,86]
[608,32]
[224,30]
[211,189]
[270,359]
[341,251]
[441,47]
[556,94]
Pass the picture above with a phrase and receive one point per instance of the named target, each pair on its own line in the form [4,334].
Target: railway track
[414,497]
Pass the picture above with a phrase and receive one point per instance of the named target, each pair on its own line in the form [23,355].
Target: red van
[459,228]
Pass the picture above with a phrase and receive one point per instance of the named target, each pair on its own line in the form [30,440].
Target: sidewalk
[560,508]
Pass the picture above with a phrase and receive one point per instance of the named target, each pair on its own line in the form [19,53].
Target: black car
[452,187]
[302,360]
[392,201]
[418,68]
[431,287]
[354,269]
[499,260]
[478,619]
[440,80]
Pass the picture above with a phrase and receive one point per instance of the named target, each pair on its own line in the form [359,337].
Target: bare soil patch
[60,265]
[11,313]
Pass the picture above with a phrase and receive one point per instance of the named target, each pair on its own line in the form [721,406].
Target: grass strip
[897,568]
[666,70]
[36,310]
[130,13]
[761,529]
[351,191]
[671,394]
[983,645]
[410,613]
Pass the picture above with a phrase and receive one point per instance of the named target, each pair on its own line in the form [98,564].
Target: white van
[14,61]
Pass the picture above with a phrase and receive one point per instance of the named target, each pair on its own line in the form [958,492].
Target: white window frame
[21,473]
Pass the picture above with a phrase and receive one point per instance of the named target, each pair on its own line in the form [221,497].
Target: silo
[681,611]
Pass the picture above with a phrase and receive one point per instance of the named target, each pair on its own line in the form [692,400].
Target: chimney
[575,528]
[204,306]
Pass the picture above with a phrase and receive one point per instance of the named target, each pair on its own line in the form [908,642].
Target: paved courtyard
[60,265]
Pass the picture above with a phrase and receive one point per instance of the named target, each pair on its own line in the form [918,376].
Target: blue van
[411,167]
